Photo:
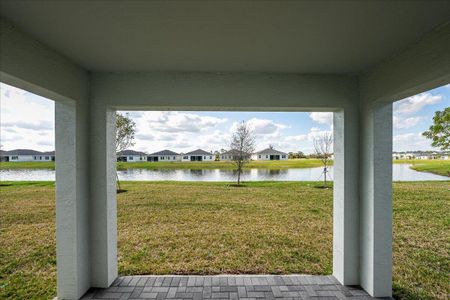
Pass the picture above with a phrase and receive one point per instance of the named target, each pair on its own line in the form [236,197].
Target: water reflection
[401,172]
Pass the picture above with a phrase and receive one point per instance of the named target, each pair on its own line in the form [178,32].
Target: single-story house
[198,155]
[396,156]
[229,155]
[49,153]
[427,156]
[269,154]
[409,156]
[131,156]
[21,155]
[164,155]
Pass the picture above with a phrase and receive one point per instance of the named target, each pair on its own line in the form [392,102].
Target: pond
[401,172]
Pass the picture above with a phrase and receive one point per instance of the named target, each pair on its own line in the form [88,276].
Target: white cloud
[297,138]
[317,132]
[415,103]
[33,125]
[179,121]
[178,131]
[402,123]
[26,120]
[262,126]
[322,117]
[411,142]
[304,142]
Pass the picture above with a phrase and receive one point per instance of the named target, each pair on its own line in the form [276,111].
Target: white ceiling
[255,36]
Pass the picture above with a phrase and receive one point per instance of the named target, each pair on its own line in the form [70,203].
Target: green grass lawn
[440,167]
[274,164]
[211,228]
[27,165]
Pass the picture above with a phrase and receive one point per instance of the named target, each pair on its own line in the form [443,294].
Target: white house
[22,155]
[228,155]
[131,156]
[409,156]
[164,155]
[269,154]
[427,155]
[396,156]
[198,155]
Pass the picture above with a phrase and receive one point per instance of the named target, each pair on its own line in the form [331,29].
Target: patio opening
[183,212]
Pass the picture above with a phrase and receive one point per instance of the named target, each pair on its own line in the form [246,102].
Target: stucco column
[376,199]
[103,215]
[72,199]
[346,196]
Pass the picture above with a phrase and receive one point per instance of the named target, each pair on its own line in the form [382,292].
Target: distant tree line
[300,154]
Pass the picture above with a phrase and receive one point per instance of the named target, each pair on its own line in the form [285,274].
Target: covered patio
[352,58]
[228,287]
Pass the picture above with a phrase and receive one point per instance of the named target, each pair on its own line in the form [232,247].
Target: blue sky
[27,121]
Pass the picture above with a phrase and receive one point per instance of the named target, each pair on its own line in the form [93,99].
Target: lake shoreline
[289,170]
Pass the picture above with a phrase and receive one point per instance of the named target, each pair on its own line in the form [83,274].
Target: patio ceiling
[241,36]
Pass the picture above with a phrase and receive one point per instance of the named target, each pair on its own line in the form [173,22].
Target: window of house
[130,158]
[267,156]
[283,156]
[35,158]
[14,157]
[204,157]
[210,157]
[40,157]
[222,157]
[259,156]
[47,158]
[162,157]
[185,157]
[174,158]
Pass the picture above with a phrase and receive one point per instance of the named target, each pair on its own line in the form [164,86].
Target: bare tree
[323,145]
[242,146]
[125,129]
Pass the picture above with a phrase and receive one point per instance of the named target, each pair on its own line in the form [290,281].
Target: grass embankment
[440,167]
[209,228]
[27,165]
[274,164]
[436,166]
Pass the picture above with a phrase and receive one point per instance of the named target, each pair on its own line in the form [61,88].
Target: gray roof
[231,152]
[23,152]
[269,151]
[198,152]
[130,152]
[49,153]
[164,152]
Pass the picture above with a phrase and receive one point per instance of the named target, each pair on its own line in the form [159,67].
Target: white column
[72,195]
[346,196]
[103,213]
[376,199]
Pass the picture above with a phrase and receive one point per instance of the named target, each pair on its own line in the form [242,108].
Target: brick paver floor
[227,287]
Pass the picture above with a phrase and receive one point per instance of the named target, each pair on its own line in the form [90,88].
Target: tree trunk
[239,176]
[118,181]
